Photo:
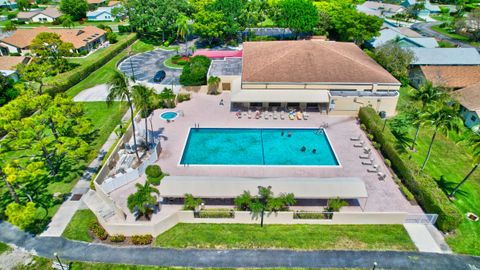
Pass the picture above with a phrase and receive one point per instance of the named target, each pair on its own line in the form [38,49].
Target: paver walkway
[66,211]
[96,93]
[422,238]
[81,251]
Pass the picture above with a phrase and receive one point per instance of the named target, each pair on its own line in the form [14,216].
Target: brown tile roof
[51,12]
[22,38]
[452,76]
[408,32]
[469,97]
[310,61]
[9,62]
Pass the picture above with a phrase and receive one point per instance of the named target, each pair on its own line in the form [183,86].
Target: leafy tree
[21,215]
[35,72]
[209,25]
[470,25]
[23,5]
[475,146]
[49,45]
[213,84]
[67,21]
[442,117]
[301,16]
[183,29]
[77,9]
[395,59]
[243,201]
[143,99]
[142,201]
[231,9]
[10,26]
[7,91]
[150,17]
[194,73]
[167,96]
[426,94]
[191,203]
[112,37]
[254,13]
[120,89]
[7,183]
[334,205]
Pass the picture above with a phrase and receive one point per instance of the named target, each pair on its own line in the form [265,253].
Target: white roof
[99,11]
[446,56]
[231,187]
[426,42]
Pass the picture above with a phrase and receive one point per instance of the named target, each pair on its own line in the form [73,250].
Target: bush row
[216,213]
[117,238]
[422,186]
[68,79]
[145,239]
[309,215]
[98,231]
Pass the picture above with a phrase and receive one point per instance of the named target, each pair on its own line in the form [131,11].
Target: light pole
[383,115]
[58,259]
[374,265]
[131,65]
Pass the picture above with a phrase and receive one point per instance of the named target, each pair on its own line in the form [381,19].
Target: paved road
[81,251]
[426,30]
[145,65]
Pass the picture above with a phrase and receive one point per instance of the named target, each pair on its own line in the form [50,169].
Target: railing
[421,218]
[363,93]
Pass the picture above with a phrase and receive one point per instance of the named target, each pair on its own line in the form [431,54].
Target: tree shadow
[448,186]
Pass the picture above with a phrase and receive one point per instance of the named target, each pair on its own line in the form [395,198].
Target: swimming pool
[169,115]
[250,146]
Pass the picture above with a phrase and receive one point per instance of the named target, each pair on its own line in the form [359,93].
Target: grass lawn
[455,35]
[170,64]
[77,229]
[449,163]
[4,248]
[298,236]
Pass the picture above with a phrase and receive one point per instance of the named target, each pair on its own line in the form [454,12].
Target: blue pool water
[248,146]
[169,115]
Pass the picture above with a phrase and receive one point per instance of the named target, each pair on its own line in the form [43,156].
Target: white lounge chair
[360,144]
[305,116]
[381,176]
[368,162]
[275,117]
[374,169]
[367,150]
[366,156]
[282,115]
[356,138]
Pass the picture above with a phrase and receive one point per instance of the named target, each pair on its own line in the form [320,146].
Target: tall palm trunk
[133,127]
[464,180]
[12,191]
[146,133]
[429,150]
[415,138]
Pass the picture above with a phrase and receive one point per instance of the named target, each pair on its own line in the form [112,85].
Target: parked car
[159,76]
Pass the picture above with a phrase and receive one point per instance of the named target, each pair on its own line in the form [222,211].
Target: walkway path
[81,251]
[66,211]
[422,238]
[96,93]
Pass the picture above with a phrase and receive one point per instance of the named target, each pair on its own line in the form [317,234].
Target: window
[274,104]
[226,86]
[473,118]
[256,104]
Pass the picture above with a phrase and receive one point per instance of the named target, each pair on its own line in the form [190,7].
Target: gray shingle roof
[446,56]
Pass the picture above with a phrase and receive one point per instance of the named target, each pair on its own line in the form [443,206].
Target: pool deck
[204,110]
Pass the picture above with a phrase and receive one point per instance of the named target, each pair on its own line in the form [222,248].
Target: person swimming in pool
[303,149]
[289,134]
[283,132]
[314,151]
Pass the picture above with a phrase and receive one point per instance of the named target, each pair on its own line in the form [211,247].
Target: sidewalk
[423,239]
[66,211]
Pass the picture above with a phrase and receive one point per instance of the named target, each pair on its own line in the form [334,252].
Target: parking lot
[144,66]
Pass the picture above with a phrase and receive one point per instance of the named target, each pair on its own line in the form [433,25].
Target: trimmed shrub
[422,186]
[190,203]
[154,174]
[98,231]
[216,213]
[117,238]
[68,79]
[145,239]
[181,97]
[195,71]
[309,215]
[124,29]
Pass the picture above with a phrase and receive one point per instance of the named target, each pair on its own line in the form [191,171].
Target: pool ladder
[197,125]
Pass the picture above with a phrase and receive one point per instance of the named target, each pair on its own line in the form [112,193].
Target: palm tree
[442,117]
[143,201]
[261,203]
[143,98]
[183,29]
[167,96]
[120,89]
[213,83]
[426,94]
[475,145]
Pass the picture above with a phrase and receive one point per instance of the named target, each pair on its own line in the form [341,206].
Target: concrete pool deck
[205,111]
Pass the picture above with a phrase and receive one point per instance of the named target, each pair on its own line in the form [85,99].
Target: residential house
[85,39]
[96,3]
[101,14]
[317,75]
[11,4]
[426,11]
[469,99]
[40,16]
[380,9]
[8,65]
[446,57]
[451,77]
[114,4]
[406,41]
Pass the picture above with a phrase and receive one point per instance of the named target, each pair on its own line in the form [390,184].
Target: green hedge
[423,187]
[309,215]
[216,213]
[66,80]
[145,239]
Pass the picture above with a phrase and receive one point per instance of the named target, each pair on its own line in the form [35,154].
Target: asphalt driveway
[145,65]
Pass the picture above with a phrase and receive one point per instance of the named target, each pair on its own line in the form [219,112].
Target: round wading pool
[169,115]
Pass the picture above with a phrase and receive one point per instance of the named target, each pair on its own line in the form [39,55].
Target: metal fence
[421,218]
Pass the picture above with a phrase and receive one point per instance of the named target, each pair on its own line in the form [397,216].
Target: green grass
[298,236]
[140,46]
[170,64]
[77,229]
[450,161]
[105,118]
[4,248]
[446,44]
[455,35]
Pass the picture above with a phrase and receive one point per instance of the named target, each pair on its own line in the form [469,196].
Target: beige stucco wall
[351,105]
